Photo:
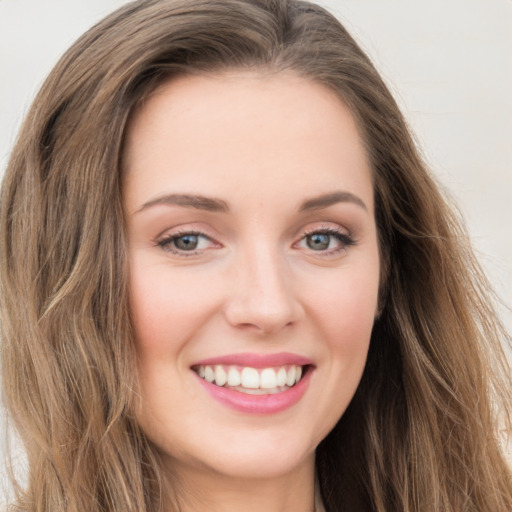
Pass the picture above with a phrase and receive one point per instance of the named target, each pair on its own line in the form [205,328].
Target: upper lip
[255,360]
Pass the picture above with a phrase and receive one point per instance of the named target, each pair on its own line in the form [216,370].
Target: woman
[229,282]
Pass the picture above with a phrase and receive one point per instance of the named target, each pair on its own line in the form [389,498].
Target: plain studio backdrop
[448,63]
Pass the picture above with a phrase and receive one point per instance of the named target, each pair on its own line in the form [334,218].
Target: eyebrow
[188,201]
[218,205]
[331,198]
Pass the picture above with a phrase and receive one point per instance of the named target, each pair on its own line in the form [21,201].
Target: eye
[186,243]
[326,240]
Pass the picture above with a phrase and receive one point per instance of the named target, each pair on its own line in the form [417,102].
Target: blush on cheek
[350,309]
[165,314]
[347,329]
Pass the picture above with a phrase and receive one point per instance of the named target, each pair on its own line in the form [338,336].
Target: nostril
[265,320]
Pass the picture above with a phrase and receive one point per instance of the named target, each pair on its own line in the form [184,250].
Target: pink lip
[257,360]
[258,404]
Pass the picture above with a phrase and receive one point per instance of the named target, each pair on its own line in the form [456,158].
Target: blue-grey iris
[186,242]
[318,241]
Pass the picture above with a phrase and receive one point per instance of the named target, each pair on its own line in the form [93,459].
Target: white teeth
[252,380]
[234,378]
[281,377]
[209,374]
[290,378]
[268,379]
[220,376]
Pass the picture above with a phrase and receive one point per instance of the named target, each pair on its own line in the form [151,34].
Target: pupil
[186,242]
[318,241]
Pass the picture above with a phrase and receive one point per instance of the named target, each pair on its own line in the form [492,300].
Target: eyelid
[323,227]
[192,228]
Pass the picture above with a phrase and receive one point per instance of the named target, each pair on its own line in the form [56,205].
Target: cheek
[346,305]
[343,310]
[167,311]
[347,332]
[166,307]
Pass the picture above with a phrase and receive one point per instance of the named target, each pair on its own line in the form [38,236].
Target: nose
[262,295]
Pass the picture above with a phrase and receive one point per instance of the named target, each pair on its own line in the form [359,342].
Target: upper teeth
[250,378]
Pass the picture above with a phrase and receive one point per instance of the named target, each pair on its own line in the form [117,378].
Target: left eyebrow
[188,201]
[326,200]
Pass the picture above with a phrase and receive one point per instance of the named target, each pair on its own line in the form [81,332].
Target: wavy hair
[421,433]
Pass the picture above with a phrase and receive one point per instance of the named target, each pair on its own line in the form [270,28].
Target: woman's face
[254,269]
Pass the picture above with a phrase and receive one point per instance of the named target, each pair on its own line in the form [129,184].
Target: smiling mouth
[252,381]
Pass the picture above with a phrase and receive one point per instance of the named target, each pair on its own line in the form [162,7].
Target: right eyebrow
[210,204]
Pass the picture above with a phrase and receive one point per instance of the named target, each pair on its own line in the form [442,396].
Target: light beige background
[448,62]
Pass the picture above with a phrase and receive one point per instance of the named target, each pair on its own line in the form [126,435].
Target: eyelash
[346,241]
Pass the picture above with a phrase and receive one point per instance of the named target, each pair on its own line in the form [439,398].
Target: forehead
[251,128]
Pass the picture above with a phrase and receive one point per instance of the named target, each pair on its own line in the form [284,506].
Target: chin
[261,464]
[256,455]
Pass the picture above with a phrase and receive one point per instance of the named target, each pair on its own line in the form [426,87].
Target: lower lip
[258,404]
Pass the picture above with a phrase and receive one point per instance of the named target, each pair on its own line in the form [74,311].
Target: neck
[205,490]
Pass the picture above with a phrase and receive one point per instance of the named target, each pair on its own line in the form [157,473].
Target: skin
[262,145]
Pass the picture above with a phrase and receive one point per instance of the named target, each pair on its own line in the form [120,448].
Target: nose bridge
[262,293]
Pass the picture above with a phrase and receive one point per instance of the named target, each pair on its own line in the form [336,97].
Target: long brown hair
[421,433]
